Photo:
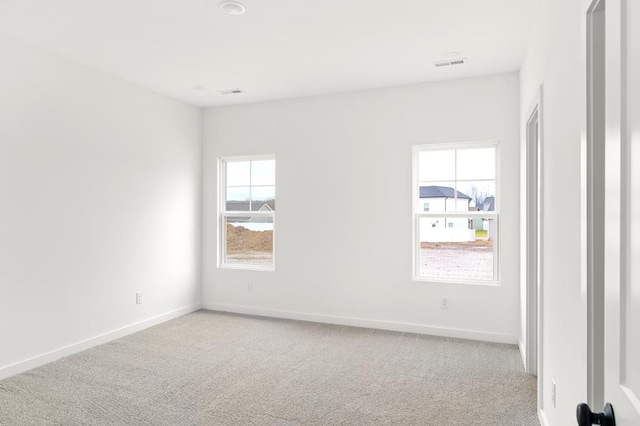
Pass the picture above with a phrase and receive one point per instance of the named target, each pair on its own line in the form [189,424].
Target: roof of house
[243,207]
[489,204]
[440,192]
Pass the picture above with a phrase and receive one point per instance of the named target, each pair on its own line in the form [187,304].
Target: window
[456,238]
[247,212]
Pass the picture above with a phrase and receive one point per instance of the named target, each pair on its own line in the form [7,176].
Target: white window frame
[417,212]
[223,214]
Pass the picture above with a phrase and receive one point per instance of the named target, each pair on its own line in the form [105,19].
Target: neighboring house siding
[441,199]
[444,205]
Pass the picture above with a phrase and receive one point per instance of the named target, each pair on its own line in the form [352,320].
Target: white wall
[99,184]
[529,97]
[345,161]
[556,59]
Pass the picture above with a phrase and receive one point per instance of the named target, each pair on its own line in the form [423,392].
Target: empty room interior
[319,213]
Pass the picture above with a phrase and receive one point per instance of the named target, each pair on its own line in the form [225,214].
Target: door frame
[594,199]
[534,288]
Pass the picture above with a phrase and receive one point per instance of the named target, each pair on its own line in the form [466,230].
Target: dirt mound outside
[241,239]
[477,245]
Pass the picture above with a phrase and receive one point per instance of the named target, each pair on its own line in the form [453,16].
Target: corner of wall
[523,352]
[37,361]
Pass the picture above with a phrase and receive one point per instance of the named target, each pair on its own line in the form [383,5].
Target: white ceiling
[278,48]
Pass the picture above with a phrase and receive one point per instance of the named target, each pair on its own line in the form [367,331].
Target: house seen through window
[247,212]
[456,237]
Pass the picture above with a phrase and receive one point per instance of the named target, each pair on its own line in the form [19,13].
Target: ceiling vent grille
[458,61]
[230,91]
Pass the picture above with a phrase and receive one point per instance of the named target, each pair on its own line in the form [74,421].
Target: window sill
[247,267]
[436,280]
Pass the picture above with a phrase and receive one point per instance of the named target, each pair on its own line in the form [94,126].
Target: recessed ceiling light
[452,53]
[231,7]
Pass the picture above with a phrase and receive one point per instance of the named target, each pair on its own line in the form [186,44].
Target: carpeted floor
[211,368]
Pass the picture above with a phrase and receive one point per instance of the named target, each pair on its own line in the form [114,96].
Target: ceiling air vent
[230,91]
[458,61]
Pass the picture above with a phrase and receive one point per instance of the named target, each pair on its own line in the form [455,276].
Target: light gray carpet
[211,368]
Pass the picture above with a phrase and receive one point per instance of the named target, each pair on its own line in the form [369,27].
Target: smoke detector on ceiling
[230,91]
[451,53]
[231,7]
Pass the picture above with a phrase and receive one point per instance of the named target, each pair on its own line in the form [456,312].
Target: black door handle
[586,417]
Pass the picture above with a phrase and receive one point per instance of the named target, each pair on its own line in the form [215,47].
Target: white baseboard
[83,345]
[523,353]
[542,418]
[365,323]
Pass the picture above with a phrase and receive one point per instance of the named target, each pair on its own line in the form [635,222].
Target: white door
[622,212]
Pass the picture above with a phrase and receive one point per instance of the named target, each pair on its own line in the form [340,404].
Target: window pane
[263,198]
[238,173]
[476,163]
[439,195]
[238,199]
[457,248]
[482,194]
[249,241]
[463,203]
[263,172]
[463,200]
[436,165]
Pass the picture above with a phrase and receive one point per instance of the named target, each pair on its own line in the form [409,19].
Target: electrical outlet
[553,393]
[138,297]
[249,286]
[444,303]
